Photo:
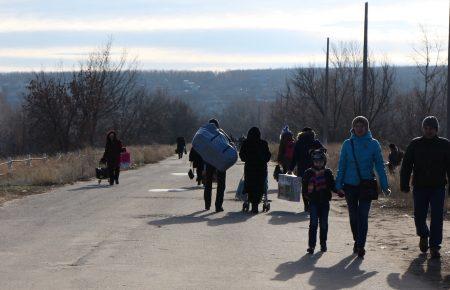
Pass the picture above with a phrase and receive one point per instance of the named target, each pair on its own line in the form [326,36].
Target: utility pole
[325,99]
[448,80]
[364,109]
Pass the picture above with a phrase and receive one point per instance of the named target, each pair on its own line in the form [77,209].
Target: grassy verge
[68,168]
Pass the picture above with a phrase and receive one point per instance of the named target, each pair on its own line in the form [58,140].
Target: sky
[211,34]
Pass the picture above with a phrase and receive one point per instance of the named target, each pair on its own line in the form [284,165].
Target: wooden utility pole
[364,109]
[448,79]
[325,99]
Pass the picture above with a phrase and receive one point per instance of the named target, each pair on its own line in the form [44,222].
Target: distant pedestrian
[286,150]
[197,164]
[317,184]
[113,148]
[305,145]
[355,178]
[256,154]
[181,147]
[428,159]
[395,158]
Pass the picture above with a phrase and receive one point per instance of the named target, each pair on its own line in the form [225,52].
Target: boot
[435,253]
[423,244]
[310,251]
[323,247]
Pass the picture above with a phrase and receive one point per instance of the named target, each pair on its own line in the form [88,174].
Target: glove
[341,193]
[387,192]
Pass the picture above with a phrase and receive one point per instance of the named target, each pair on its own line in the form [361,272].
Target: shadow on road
[195,217]
[429,270]
[345,274]
[286,217]
[90,186]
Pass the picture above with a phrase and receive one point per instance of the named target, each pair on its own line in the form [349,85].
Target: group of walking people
[427,158]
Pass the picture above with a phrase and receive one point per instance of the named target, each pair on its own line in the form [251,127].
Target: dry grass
[72,167]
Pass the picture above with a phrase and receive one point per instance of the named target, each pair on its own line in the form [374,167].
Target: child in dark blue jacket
[317,184]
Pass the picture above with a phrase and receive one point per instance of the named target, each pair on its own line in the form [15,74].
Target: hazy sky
[209,34]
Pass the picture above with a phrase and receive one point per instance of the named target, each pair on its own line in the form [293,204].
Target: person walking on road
[356,180]
[286,150]
[395,158]
[181,147]
[428,159]
[111,157]
[306,143]
[221,179]
[317,184]
[256,154]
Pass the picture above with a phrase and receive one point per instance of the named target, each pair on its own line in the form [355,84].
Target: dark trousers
[221,179]
[429,198]
[199,171]
[113,174]
[318,216]
[358,211]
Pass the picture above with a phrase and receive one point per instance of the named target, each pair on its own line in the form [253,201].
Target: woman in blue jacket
[367,151]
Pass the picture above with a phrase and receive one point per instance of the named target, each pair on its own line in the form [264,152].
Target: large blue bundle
[214,147]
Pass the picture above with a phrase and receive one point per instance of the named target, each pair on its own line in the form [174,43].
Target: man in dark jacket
[306,143]
[221,179]
[256,154]
[181,147]
[428,158]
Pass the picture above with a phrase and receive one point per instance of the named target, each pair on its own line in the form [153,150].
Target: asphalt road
[151,232]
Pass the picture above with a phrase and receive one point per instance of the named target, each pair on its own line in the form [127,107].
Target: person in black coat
[255,153]
[197,163]
[111,157]
[306,143]
[181,147]
[428,159]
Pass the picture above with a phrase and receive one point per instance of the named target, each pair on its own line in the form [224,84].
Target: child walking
[317,185]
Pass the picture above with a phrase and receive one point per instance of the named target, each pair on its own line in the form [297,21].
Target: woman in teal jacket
[369,156]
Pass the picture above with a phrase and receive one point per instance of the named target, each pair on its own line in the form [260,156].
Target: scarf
[317,182]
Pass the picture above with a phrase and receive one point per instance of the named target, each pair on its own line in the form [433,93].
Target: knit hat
[431,121]
[362,120]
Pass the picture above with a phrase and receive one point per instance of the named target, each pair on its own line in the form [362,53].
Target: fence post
[29,160]
[10,164]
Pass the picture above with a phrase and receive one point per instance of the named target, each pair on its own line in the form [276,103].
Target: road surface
[151,232]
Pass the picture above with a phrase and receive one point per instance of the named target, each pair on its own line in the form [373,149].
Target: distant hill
[212,90]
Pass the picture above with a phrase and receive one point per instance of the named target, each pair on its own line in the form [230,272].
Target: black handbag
[191,174]
[368,187]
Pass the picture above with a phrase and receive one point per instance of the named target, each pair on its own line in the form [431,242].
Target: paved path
[86,236]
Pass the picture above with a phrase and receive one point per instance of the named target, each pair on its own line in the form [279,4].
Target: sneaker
[361,253]
[219,209]
[435,253]
[323,248]
[423,244]
[310,251]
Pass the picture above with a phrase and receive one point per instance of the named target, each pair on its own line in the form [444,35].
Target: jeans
[433,198]
[318,215]
[221,179]
[358,211]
